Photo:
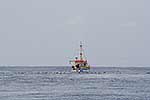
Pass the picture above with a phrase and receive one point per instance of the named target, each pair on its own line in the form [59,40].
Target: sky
[48,32]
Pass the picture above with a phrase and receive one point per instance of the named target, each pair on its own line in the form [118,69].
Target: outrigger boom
[80,64]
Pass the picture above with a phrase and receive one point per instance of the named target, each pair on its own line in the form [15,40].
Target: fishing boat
[80,63]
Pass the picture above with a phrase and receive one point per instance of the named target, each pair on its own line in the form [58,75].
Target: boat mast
[81,51]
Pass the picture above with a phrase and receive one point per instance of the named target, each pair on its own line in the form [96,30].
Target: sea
[59,83]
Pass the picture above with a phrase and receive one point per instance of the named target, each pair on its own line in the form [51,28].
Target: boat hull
[81,69]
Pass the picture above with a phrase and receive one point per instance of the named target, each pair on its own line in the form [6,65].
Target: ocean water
[58,83]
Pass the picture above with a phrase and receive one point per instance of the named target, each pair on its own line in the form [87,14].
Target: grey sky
[48,32]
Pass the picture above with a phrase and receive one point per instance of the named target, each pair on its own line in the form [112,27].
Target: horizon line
[63,66]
